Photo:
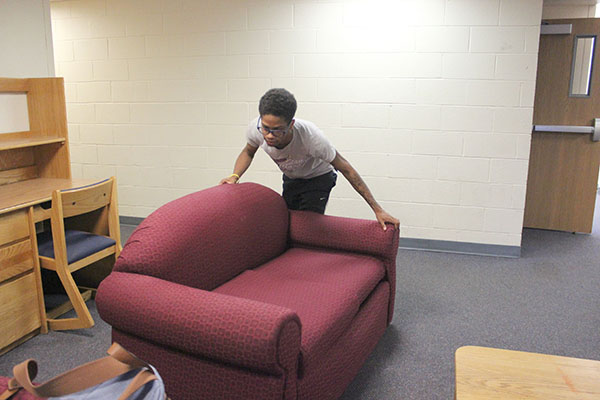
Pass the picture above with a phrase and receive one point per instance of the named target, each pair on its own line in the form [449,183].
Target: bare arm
[342,165]
[241,164]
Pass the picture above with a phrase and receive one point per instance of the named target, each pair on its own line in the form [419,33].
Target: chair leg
[84,318]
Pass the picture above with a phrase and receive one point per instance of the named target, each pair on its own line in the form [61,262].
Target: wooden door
[563,167]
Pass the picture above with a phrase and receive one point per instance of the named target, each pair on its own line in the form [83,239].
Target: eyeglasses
[275,132]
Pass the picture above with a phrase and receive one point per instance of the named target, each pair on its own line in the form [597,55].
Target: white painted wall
[14,116]
[25,52]
[25,39]
[431,100]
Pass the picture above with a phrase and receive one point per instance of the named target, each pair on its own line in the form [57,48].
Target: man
[304,155]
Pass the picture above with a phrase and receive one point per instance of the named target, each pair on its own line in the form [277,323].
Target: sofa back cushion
[206,238]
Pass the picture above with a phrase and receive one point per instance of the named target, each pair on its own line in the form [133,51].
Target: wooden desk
[33,163]
[22,313]
[494,374]
[34,191]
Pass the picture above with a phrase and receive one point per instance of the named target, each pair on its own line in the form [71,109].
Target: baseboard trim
[446,246]
[130,220]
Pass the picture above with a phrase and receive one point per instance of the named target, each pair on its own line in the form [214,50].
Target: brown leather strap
[117,352]
[13,384]
[119,361]
[8,393]
[142,377]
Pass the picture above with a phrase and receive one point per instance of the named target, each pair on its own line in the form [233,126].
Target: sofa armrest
[309,229]
[346,234]
[222,328]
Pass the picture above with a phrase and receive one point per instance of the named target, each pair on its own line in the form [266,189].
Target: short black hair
[278,102]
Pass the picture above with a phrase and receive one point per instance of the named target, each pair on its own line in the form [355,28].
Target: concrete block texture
[430,100]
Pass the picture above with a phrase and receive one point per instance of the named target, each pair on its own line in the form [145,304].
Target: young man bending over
[305,156]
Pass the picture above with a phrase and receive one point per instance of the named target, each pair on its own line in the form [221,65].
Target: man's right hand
[229,180]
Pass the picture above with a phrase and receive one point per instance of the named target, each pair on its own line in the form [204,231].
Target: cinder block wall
[431,100]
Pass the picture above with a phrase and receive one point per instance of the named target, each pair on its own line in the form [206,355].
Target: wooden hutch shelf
[31,141]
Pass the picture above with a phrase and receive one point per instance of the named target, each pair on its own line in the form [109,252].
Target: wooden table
[492,374]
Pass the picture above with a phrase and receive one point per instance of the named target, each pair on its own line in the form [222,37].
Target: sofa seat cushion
[325,289]
[355,273]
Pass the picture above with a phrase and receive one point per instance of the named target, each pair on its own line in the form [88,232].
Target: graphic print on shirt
[289,165]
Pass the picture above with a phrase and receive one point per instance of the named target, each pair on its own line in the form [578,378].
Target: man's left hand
[383,217]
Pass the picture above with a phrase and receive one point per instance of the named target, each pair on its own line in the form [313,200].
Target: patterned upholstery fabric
[191,378]
[348,234]
[208,237]
[225,328]
[79,244]
[324,288]
[231,296]
[336,368]
[351,272]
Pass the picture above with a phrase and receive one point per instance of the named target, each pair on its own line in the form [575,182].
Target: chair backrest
[83,200]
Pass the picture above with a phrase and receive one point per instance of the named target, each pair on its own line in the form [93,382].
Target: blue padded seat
[79,244]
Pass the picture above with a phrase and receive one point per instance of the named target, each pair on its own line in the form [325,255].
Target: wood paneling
[16,158]
[18,309]
[13,226]
[48,117]
[15,259]
[46,143]
[18,175]
[15,85]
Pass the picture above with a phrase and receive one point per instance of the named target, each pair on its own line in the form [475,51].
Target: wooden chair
[67,250]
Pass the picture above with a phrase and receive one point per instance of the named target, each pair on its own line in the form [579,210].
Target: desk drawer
[19,311]
[15,259]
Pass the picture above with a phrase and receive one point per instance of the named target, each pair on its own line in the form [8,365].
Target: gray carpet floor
[547,301]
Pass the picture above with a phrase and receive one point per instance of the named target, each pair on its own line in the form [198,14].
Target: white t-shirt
[309,154]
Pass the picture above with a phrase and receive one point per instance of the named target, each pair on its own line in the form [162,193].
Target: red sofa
[232,296]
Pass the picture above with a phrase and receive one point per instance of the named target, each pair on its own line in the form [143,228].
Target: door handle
[594,130]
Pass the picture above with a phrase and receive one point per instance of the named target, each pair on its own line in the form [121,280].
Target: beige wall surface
[25,52]
[431,100]
[25,39]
